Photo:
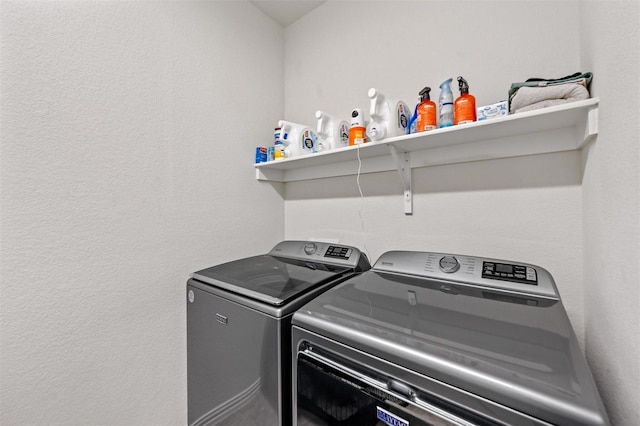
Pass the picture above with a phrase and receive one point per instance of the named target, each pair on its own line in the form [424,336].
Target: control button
[310,248]
[531,277]
[449,264]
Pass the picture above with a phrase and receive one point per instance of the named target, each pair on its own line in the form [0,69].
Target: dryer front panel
[336,384]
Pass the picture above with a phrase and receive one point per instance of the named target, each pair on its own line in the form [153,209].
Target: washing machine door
[270,279]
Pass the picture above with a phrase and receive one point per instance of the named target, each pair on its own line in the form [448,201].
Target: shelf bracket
[591,127]
[403,163]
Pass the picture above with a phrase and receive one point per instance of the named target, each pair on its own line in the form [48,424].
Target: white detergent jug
[389,118]
[332,132]
[297,139]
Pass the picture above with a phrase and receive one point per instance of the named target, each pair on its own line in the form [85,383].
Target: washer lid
[289,270]
[515,349]
[270,279]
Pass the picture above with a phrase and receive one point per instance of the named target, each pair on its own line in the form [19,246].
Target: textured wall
[526,209]
[128,131]
[341,49]
[610,46]
[574,213]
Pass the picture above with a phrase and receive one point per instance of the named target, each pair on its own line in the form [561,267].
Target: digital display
[340,252]
[507,269]
[508,272]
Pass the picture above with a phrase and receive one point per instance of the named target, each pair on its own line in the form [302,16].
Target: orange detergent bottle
[464,108]
[426,112]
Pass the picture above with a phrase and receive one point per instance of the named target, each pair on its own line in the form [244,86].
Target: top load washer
[431,338]
[239,329]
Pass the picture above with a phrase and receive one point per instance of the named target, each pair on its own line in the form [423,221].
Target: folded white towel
[530,98]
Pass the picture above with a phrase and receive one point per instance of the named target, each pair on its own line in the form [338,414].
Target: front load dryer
[438,339]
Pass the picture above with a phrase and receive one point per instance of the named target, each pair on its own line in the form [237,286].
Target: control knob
[449,264]
[310,248]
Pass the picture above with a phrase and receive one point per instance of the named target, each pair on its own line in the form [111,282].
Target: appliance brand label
[222,319]
[390,418]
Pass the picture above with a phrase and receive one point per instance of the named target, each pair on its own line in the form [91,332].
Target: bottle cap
[463,85]
[444,87]
[424,94]
[357,117]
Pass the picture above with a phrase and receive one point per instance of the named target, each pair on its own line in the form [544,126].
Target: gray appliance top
[490,327]
[290,269]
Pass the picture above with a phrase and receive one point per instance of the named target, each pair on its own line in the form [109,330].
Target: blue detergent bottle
[445,103]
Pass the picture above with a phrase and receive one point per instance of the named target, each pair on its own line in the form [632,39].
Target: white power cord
[364,235]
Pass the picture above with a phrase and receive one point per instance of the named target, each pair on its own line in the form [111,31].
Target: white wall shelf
[565,127]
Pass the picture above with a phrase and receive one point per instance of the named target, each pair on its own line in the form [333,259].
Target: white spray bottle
[332,132]
[445,103]
[389,118]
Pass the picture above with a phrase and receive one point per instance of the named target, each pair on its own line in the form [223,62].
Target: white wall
[121,173]
[610,46]
[572,213]
[526,209]
[128,132]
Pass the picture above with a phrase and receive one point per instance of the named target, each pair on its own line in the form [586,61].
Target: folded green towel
[580,78]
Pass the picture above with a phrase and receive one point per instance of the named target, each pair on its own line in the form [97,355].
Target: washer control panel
[509,272]
[475,271]
[321,252]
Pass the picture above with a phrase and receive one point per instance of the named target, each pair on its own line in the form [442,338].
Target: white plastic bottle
[445,103]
